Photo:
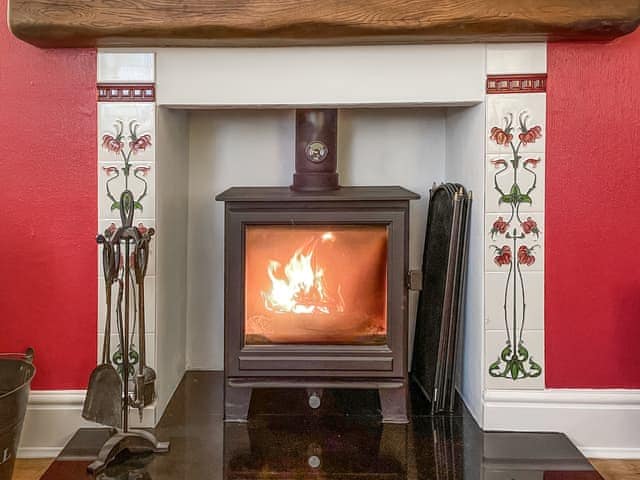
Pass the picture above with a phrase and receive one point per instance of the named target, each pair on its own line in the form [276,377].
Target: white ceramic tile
[144,222]
[503,110]
[513,58]
[495,341]
[150,344]
[495,287]
[127,119]
[531,241]
[149,305]
[525,182]
[142,175]
[125,67]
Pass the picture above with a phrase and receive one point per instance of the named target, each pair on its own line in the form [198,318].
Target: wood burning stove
[316,280]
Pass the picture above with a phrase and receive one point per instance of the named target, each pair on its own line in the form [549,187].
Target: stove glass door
[316,284]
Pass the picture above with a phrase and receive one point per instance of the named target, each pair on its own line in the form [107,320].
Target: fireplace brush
[110,394]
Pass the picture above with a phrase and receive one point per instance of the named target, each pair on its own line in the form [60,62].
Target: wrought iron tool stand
[128,236]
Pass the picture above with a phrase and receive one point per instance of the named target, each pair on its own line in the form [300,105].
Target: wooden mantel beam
[154,23]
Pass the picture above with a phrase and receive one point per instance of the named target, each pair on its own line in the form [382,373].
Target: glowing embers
[303,288]
[316,284]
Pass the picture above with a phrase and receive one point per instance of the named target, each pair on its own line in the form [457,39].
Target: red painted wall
[593,215]
[48,208]
[48,211]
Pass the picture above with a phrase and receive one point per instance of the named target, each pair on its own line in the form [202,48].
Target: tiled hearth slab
[309,445]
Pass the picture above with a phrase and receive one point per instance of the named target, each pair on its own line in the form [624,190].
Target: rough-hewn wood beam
[75,23]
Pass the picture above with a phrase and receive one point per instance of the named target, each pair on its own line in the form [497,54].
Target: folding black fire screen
[440,305]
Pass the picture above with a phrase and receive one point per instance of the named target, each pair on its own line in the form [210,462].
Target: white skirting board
[53,416]
[601,423]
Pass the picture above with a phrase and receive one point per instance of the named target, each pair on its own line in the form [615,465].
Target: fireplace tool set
[441,299]
[112,392]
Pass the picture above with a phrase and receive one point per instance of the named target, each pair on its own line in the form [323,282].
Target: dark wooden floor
[342,439]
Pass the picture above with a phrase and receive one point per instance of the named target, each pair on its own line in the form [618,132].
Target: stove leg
[236,403]
[393,403]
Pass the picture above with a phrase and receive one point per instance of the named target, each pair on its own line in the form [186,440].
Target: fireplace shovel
[103,403]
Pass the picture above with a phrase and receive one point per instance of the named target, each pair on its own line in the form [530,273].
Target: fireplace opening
[316,285]
[249,155]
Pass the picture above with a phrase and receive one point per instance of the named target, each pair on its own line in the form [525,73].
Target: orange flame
[303,288]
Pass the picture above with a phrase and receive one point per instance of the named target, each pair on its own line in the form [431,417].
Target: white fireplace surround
[410,115]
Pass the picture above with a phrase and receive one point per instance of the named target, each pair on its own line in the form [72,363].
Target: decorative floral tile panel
[514,241]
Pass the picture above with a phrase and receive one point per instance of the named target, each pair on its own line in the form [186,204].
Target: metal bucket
[16,373]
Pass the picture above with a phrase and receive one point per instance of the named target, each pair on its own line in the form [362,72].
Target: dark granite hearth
[344,439]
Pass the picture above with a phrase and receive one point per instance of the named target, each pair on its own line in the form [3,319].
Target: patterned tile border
[534,83]
[111,92]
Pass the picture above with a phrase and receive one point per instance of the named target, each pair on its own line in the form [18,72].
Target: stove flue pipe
[316,150]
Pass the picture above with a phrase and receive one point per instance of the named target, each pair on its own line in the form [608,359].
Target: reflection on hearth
[128,467]
[331,447]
